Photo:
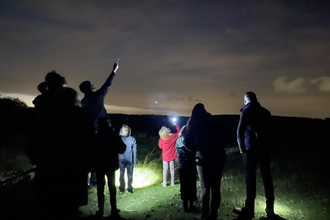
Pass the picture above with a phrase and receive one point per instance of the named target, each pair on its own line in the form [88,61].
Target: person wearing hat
[93,102]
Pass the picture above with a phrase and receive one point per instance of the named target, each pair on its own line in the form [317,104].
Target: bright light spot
[279,207]
[142,177]
[174,119]
[156,102]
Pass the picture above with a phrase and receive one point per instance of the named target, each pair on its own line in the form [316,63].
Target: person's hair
[85,86]
[251,96]
[163,132]
[42,87]
[125,131]
[183,131]
[198,115]
[54,80]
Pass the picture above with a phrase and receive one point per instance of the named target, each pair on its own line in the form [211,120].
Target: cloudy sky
[173,54]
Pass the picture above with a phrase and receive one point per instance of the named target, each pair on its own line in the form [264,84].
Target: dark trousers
[188,183]
[250,162]
[210,180]
[100,189]
[128,166]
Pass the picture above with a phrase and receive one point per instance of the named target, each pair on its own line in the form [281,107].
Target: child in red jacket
[167,143]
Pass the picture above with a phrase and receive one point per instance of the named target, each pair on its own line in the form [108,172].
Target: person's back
[110,145]
[255,126]
[207,143]
[130,152]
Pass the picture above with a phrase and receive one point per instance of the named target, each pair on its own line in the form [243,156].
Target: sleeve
[178,129]
[134,151]
[160,143]
[101,93]
[178,145]
[242,125]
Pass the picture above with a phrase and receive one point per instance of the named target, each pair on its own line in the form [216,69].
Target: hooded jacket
[167,144]
[130,152]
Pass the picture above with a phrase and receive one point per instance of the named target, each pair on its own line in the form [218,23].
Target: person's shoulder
[131,138]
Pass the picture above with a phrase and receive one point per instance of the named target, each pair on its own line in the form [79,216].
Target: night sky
[173,54]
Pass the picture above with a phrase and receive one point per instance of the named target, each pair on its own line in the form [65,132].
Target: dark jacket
[110,145]
[253,127]
[130,152]
[93,102]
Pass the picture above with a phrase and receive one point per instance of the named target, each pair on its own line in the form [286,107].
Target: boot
[185,205]
[246,212]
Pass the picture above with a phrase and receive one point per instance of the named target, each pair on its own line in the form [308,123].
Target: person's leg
[215,190]
[172,172]
[184,186]
[192,187]
[122,176]
[112,191]
[100,192]
[129,177]
[264,163]
[205,192]
[250,166]
[165,169]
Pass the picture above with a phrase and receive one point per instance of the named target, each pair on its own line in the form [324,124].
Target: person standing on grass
[167,143]
[127,160]
[60,148]
[252,138]
[110,145]
[187,169]
[93,102]
[204,139]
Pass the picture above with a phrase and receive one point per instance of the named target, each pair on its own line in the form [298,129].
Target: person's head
[54,80]
[164,131]
[68,97]
[86,87]
[42,87]
[125,131]
[198,110]
[250,97]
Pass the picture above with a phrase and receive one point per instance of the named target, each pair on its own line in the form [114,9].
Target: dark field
[300,168]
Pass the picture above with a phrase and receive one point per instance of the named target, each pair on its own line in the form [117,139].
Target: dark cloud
[179,52]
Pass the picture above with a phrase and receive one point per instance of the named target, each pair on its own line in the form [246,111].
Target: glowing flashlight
[174,119]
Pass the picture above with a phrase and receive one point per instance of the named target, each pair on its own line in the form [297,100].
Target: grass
[299,192]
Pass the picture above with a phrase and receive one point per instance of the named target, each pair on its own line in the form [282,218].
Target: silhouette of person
[252,138]
[167,142]
[93,102]
[60,148]
[127,160]
[50,99]
[187,172]
[110,145]
[37,102]
[203,139]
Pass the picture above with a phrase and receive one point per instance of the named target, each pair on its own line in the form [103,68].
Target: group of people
[199,149]
[74,138]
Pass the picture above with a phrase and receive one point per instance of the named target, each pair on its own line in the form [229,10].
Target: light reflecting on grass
[142,176]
